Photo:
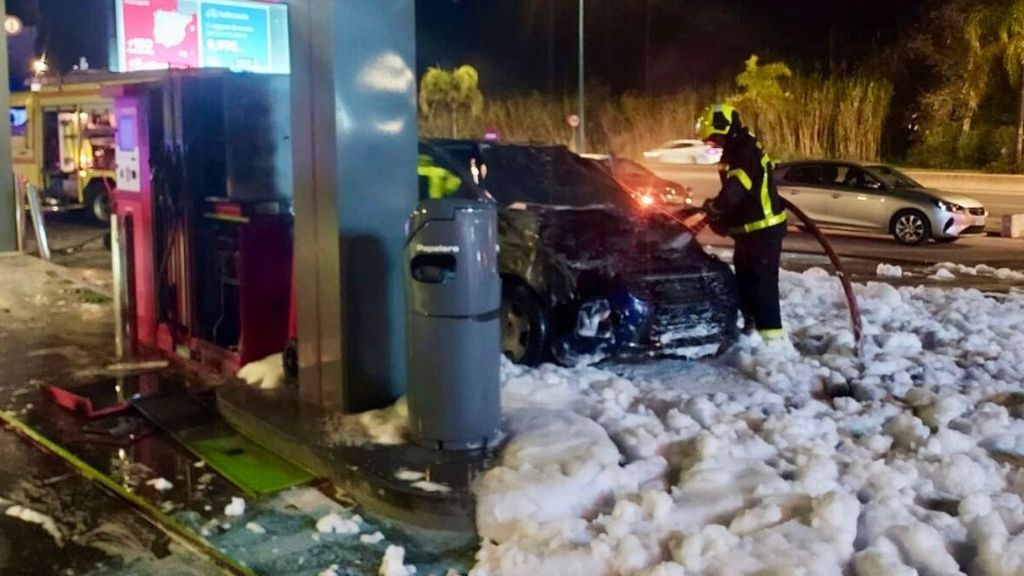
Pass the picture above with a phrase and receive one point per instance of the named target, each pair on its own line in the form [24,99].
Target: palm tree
[1011,34]
[455,91]
[982,49]
[761,88]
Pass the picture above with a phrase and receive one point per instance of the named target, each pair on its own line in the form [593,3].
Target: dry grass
[839,117]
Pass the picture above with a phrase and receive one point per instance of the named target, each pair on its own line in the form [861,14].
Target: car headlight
[949,206]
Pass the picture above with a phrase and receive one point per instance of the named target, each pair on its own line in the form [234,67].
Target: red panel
[139,206]
[265,260]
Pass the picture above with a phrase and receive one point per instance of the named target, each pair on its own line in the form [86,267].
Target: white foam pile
[160,484]
[386,426]
[889,271]
[334,523]
[744,466]
[952,269]
[265,374]
[31,516]
[393,563]
[236,507]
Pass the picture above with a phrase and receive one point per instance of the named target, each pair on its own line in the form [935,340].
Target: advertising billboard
[241,35]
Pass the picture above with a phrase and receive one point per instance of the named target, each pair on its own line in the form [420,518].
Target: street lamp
[40,67]
[582,104]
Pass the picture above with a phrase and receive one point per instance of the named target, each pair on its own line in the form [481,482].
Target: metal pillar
[582,143]
[8,226]
[355,134]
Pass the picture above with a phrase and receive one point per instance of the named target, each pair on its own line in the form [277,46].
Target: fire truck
[63,140]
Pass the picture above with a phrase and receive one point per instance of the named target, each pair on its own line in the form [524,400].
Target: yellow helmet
[717,119]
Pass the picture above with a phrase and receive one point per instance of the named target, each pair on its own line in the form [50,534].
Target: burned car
[587,271]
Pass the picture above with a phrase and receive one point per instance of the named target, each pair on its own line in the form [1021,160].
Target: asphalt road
[1006,252]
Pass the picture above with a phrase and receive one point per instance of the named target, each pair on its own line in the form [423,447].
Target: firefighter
[436,182]
[750,211]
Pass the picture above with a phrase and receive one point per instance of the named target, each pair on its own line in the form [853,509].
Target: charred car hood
[551,247]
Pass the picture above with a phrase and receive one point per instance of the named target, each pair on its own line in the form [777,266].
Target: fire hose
[844,279]
[695,225]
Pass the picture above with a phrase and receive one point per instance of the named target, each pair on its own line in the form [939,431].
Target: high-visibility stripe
[770,217]
[741,175]
[766,199]
[772,334]
[759,225]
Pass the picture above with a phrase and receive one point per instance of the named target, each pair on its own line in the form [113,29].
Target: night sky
[530,45]
[68,29]
[521,45]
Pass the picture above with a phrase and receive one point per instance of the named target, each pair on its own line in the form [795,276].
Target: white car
[684,152]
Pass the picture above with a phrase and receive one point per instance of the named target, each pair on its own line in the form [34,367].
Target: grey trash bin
[453,334]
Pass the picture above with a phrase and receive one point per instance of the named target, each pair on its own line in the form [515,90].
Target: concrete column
[355,138]
[8,231]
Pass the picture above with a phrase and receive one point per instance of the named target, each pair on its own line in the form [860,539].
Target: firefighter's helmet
[718,119]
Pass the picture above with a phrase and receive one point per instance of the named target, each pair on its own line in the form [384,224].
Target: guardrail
[968,181]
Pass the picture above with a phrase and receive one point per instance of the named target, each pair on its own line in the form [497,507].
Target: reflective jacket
[749,200]
[436,182]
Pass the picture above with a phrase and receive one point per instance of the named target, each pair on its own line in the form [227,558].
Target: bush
[820,117]
[986,147]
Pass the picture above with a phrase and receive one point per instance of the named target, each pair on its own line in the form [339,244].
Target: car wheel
[910,227]
[524,325]
[97,201]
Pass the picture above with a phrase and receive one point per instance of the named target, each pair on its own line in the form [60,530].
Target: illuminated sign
[235,34]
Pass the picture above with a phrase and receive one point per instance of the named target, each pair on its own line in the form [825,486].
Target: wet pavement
[77,243]
[52,328]
[94,532]
[56,329]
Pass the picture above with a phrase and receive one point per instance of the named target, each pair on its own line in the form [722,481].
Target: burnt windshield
[549,176]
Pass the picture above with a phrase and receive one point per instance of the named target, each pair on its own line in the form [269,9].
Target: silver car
[878,198]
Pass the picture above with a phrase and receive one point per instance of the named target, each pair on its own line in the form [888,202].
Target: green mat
[248,465]
[199,427]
